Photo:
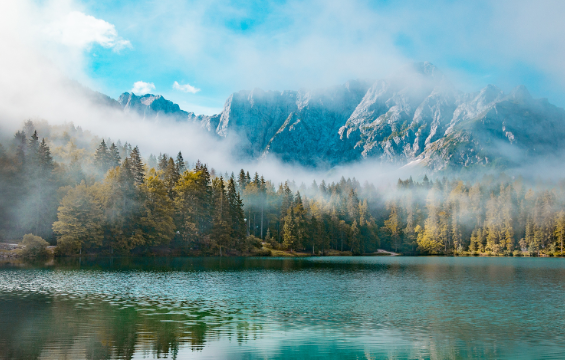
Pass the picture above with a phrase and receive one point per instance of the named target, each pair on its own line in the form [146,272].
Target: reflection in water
[363,308]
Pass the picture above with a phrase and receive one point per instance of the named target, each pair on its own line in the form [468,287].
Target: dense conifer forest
[95,196]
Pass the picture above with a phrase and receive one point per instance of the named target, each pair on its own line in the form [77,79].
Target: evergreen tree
[354,242]
[171,177]
[114,156]
[152,162]
[80,218]
[181,165]
[137,167]
[236,215]
[157,221]
[45,159]
[221,219]
[163,161]
[102,158]
[33,149]
[353,205]
[392,225]
[289,230]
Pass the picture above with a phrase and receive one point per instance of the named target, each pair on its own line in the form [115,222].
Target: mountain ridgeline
[415,118]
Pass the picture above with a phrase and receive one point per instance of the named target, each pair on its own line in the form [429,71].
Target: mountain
[153,106]
[413,118]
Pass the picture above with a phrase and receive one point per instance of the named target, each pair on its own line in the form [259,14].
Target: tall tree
[137,167]
[181,165]
[80,220]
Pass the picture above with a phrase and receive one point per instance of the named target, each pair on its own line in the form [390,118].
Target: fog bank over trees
[92,195]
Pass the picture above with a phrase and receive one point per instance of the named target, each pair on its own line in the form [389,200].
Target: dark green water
[244,308]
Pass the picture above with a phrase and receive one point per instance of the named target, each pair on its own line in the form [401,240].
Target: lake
[284,308]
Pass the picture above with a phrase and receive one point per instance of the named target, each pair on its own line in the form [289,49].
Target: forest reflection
[42,326]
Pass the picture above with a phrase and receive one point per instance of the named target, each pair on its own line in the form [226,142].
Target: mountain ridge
[414,117]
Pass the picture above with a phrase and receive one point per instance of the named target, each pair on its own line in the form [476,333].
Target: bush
[261,252]
[271,243]
[252,242]
[34,247]
[517,253]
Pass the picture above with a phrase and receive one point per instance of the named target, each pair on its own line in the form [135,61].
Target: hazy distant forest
[89,195]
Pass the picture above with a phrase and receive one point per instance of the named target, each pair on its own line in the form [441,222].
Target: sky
[196,53]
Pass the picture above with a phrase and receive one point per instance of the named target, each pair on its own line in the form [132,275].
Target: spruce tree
[114,156]
[181,165]
[236,214]
[157,221]
[152,162]
[45,158]
[221,220]
[137,167]
[34,144]
[171,177]
[354,241]
[241,180]
[163,161]
[289,230]
[102,157]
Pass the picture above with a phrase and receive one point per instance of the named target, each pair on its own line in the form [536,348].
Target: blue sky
[213,48]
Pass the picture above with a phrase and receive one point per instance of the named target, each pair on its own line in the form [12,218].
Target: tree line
[110,200]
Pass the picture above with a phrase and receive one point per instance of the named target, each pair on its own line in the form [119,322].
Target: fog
[43,62]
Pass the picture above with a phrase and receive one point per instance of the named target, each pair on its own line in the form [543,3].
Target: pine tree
[221,219]
[75,171]
[33,149]
[241,180]
[353,205]
[236,214]
[299,219]
[102,158]
[163,161]
[289,230]
[45,159]
[157,221]
[354,242]
[114,156]
[181,165]
[137,167]
[392,225]
[152,162]
[171,177]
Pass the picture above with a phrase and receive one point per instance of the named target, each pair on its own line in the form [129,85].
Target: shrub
[517,253]
[34,247]
[253,242]
[261,252]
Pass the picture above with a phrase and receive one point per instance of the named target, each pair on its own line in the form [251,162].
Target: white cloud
[82,31]
[142,88]
[186,88]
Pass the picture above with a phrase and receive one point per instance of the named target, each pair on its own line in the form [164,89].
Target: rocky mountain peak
[415,116]
[152,106]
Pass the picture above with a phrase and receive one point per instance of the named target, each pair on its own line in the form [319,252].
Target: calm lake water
[271,308]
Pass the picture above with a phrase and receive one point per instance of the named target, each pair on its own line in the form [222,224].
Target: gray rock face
[503,131]
[152,106]
[298,126]
[415,118]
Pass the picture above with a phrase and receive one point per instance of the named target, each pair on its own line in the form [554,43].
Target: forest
[88,195]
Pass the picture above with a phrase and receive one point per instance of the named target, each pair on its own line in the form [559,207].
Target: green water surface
[273,308]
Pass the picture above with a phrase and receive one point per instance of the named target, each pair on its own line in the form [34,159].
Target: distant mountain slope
[154,106]
[414,118]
